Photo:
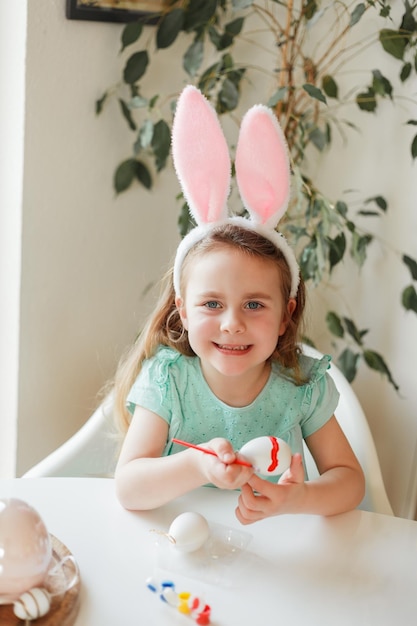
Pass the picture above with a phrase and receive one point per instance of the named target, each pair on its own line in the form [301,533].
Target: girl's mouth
[224,347]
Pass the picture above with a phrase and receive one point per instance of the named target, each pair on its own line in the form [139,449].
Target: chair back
[91,451]
[354,424]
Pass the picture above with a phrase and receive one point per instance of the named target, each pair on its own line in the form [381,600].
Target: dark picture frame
[121,11]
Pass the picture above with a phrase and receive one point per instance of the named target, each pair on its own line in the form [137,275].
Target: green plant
[306,44]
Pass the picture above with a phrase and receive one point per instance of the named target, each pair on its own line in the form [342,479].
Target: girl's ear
[179,303]
[291,306]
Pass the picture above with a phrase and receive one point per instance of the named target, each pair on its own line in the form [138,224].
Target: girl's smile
[233,348]
[234,313]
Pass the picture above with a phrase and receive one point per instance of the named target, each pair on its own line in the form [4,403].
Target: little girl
[218,362]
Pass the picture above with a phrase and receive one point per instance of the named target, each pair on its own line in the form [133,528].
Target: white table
[356,569]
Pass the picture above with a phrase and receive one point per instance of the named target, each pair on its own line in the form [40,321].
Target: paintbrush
[207,451]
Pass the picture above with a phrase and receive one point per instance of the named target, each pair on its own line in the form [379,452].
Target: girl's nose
[232,322]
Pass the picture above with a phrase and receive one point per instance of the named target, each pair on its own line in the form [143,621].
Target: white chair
[92,451]
[354,424]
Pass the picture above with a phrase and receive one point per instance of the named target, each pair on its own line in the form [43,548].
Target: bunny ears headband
[202,163]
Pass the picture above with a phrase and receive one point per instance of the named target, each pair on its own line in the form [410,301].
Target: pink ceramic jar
[25,549]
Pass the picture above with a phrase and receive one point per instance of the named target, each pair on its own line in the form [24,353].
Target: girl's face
[233,311]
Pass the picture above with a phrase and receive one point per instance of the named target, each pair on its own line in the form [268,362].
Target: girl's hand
[221,470]
[260,498]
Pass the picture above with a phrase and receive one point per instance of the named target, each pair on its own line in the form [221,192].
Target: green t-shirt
[173,386]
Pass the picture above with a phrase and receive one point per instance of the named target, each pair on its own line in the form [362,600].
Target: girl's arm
[146,480]
[340,487]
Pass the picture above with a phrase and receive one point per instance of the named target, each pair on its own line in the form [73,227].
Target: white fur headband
[202,163]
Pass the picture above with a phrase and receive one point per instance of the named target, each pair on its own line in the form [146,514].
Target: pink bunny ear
[262,166]
[201,157]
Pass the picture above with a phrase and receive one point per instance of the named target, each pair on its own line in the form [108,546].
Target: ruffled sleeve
[152,389]
[320,398]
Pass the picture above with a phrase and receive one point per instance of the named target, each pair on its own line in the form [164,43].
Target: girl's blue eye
[212,304]
[254,305]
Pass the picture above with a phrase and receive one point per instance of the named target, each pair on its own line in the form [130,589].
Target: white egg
[32,604]
[189,531]
[270,456]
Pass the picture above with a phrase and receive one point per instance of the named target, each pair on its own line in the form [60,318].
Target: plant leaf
[347,362]
[412,265]
[393,42]
[318,138]
[227,38]
[405,71]
[334,324]
[369,213]
[277,96]
[408,22]
[142,174]
[185,221]
[169,28]
[414,148]
[356,14]
[379,201]
[315,92]
[161,143]
[353,331]
[127,114]
[228,96]
[330,87]
[209,78]
[199,13]
[146,134]
[242,4]
[131,33]
[100,103]
[337,249]
[137,102]
[124,175]
[193,58]
[235,26]
[215,37]
[366,100]
[359,246]
[341,208]
[409,299]
[135,67]
[376,362]
[308,261]
[380,84]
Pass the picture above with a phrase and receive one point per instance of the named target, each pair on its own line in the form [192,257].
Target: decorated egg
[32,604]
[25,549]
[270,456]
[189,531]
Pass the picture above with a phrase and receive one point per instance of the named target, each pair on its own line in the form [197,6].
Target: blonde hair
[164,326]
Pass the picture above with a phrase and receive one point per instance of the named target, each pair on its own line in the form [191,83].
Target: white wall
[88,256]
[12,73]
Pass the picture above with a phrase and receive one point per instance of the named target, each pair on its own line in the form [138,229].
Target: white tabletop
[356,569]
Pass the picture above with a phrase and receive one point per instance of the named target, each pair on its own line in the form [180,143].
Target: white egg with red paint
[270,456]
[189,531]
